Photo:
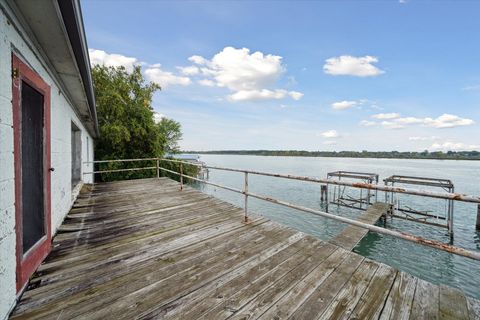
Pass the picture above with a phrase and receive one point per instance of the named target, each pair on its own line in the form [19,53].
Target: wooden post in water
[323,192]
[324,195]
[477,226]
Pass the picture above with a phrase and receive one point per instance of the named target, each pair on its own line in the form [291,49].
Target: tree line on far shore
[440,155]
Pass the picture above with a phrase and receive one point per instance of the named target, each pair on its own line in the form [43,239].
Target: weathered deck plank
[295,297]
[453,304]
[346,300]
[321,298]
[315,266]
[195,304]
[399,301]
[144,249]
[425,301]
[351,235]
[473,308]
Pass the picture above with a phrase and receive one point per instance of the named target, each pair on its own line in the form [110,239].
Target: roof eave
[73,21]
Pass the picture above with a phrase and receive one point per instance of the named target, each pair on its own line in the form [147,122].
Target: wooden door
[31,118]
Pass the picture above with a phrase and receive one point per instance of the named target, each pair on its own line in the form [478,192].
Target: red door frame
[27,263]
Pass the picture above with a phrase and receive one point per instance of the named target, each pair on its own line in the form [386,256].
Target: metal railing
[245,192]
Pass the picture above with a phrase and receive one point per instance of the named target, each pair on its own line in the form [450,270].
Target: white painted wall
[12,38]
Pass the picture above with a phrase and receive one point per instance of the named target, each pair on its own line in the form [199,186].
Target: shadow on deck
[144,249]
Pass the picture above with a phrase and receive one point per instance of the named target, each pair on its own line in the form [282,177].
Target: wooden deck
[144,249]
[352,235]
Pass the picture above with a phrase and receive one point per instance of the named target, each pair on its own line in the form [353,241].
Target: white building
[47,126]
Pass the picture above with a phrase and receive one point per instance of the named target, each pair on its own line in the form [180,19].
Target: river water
[429,264]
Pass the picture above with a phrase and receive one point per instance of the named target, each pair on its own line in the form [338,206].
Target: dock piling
[477,226]
[323,192]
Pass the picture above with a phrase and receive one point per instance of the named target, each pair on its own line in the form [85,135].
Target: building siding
[13,39]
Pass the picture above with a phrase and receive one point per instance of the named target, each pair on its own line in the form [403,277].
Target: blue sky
[325,75]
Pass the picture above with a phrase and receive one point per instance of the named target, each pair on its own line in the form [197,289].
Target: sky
[314,75]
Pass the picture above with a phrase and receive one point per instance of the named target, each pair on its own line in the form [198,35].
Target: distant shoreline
[437,155]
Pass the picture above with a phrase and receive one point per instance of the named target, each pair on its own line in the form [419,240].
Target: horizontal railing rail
[398,234]
[410,191]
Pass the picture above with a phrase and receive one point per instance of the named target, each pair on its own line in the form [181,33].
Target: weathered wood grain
[323,295]
[473,308]
[346,300]
[144,249]
[194,305]
[349,237]
[373,300]
[453,304]
[425,301]
[400,298]
[313,267]
[292,299]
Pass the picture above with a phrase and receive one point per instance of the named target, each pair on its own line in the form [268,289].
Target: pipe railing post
[245,192]
[181,176]
[326,197]
[158,168]
[450,219]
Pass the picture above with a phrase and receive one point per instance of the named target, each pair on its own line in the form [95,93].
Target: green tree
[171,131]
[126,122]
[125,114]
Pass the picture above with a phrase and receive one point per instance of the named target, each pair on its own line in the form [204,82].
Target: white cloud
[352,66]
[295,95]
[206,82]
[264,94]
[409,120]
[330,134]
[341,105]
[376,107]
[157,117]
[366,123]
[163,78]
[250,76]
[392,125]
[152,72]
[394,121]
[385,116]
[257,95]
[101,57]
[472,88]
[417,138]
[189,70]
[197,59]
[453,146]
[447,121]
[237,69]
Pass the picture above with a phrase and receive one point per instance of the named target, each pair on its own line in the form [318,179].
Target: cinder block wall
[13,39]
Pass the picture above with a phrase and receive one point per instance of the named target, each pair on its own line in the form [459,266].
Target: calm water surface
[429,264]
